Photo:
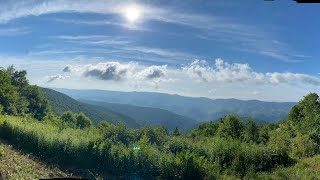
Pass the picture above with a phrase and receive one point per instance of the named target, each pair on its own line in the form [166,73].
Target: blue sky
[218,49]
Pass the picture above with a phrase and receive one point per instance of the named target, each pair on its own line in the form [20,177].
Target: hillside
[17,165]
[150,116]
[131,116]
[202,109]
[60,103]
[308,168]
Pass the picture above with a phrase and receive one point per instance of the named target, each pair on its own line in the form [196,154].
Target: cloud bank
[229,73]
[198,70]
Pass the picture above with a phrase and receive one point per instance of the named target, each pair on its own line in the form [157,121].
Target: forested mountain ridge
[149,116]
[60,103]
[201,109]
[131,116]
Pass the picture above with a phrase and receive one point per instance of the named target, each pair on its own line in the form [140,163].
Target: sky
[264,50]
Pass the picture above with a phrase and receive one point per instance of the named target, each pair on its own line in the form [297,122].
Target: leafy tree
[38,105]
[263,134]
[83,121]
[230,126]
[20,81]
[69,117]
[176,132]
[208,129]
[118,133]
[251,132]
[1,109]
[295,115]
[306,115]
[19,78]
[8,93]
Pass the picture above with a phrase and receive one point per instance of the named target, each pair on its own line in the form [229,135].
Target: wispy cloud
[248,37]
[96,40]
[123,46]
[103,23]
[14,31]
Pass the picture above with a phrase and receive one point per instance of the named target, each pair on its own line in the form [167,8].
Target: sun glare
[132,13]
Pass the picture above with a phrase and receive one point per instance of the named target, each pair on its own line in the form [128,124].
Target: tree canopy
[18,97]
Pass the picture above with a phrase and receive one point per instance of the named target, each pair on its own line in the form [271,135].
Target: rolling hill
[202,109]
[60,103]
[132,116]
[150,116]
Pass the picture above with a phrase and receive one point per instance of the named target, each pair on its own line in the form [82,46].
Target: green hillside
[308,168]
[60,103]
[17,165]
[150,116]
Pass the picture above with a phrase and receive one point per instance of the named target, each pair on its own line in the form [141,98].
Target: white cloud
[287,77]
[221,71]
[55,77]
[107,71]
[225,72]
[152,72]
[116,71]
[103,23]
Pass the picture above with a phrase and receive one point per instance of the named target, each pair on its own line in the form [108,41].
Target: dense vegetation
[17,165]
[230,148]
[17,97]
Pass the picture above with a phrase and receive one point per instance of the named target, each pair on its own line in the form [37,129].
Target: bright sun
[132,13]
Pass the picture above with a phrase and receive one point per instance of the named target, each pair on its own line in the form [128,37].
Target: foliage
[16,165]
[306,115]
[18,97]
[176,132]
[230,126]
[112,147]
[205,129]
[83,121]
[305,169]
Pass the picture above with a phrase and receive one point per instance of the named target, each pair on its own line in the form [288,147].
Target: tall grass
[176,158]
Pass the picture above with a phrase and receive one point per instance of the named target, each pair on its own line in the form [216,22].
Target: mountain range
[131,116]
[200,109]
